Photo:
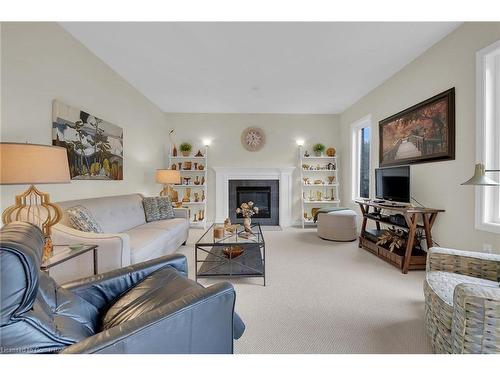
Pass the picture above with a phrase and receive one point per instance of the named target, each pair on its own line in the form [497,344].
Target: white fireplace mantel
[224,174]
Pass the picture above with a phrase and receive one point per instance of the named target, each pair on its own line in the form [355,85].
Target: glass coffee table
[213,260]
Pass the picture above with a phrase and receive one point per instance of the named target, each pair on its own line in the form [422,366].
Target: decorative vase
[247,222]
[174,151]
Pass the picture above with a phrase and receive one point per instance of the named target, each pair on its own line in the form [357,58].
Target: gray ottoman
[338,225]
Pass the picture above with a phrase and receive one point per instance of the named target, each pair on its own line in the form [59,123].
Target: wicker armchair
[462,301]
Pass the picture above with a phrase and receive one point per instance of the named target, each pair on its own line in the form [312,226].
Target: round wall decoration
[253,139]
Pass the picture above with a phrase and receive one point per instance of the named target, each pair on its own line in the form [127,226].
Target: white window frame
[364,122]
[487,211]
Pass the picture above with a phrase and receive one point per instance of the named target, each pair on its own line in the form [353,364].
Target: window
[361,149]
[488,135]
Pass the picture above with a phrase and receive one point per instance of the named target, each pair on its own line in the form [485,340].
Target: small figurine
[202,180]
[195,166]
[186,180]
[195,218]
[180,166]
[196,197]
[187,195]
[229,227]
[171,136]
[197,180]
[199,154]
[306,180]
[330,166]
[306,154]
[203,195]
[174,195]
[331,180]
[174,167]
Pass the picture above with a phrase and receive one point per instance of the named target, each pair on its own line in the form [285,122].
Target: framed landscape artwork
[420,134]
[94,146]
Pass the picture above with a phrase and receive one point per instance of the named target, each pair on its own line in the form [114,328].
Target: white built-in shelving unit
[316,194]
[194,208]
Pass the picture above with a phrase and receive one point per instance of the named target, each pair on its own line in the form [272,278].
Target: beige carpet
[326,297]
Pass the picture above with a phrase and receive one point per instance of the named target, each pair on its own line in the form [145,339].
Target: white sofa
[127,237]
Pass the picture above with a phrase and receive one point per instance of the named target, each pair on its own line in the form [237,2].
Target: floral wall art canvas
[422,133]
[94,146]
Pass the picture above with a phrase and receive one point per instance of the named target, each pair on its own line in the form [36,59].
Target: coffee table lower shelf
[216,265]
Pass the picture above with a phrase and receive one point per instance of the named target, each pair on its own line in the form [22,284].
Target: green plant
[319,147]
[185,147]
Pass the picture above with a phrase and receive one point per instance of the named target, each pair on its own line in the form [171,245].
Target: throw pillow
[158,208]
[81,219]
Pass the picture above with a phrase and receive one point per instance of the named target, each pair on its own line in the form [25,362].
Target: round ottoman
[338,225]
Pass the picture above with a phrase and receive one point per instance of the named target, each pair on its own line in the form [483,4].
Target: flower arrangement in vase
[247,210]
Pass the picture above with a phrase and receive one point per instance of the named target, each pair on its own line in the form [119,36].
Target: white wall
[449,63]
[41,62]
[280,150]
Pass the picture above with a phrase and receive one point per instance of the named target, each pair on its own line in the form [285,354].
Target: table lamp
[167,177]
[479,178]
[24,163]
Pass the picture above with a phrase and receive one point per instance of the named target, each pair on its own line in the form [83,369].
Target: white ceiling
[257,67]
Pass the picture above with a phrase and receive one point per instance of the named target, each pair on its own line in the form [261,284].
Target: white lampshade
[24,163]
[168,176]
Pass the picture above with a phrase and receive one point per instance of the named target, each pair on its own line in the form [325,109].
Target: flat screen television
[393,183]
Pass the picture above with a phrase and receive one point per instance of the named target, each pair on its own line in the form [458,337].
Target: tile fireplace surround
[224,174]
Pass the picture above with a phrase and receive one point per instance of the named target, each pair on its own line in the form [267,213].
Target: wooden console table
[415,218]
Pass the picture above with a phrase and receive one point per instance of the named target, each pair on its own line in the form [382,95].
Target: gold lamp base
[35,207]
[166,191]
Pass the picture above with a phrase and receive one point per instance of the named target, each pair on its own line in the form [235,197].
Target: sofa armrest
[476,319]
[200,322]
[101,289]
[182,213]
[113,248]
[470,263]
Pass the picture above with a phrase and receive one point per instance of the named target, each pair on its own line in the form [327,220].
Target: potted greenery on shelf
[318,149]
[185,148]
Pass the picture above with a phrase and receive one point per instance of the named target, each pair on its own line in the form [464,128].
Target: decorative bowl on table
[232,252]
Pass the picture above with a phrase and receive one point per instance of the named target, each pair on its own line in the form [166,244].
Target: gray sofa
[150,307]
[127,238]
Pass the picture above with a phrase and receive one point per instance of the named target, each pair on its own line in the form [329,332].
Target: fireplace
[263,193]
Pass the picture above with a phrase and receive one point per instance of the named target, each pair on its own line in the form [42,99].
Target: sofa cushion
[158,289]
[443,283]
[152,240]
[81,219]
[175,227]
[158,208]
[114,214]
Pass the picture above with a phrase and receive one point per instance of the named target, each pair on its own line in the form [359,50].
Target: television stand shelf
[410,258]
